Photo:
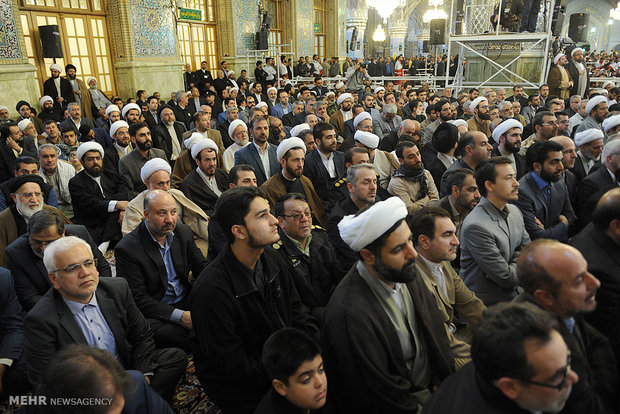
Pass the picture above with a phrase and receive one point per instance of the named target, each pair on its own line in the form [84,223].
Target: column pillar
[397,30]
[145,46]
[17,76]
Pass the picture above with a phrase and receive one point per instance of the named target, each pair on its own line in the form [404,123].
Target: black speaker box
[438,32]
[578,27]
[262,40]
[559,12]
[50,41]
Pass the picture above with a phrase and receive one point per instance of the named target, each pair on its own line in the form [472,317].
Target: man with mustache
[556,277]
[481,120]
[384,339]
[544,199]
[508,135]
[493,234]
[130,165]
[156,259]
[435,240]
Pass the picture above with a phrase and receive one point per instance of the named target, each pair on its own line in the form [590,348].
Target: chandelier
[435,12]
[385,8]
[379,35]
[615,13]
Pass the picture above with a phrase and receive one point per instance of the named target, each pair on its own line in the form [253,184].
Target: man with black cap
[25,112]
[398,349]
[99,200]
[444,140]
[59,89]
[80,90]
[26,191]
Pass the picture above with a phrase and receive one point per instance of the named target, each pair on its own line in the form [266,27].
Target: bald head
[569,151]
[160,214]
[409,127]
[606,216]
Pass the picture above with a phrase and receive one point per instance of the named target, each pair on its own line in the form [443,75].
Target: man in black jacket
[98,199]
[84,309]
[325,165]
[59,89]
[239,300]
[24,257]
[157,258]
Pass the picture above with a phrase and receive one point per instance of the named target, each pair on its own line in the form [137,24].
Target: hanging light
[434,13]
[385,8]
[379,35]
[615,13]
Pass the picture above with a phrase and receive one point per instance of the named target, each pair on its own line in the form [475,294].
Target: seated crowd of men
[249,226]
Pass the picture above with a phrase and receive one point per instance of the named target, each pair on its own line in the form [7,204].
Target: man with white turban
[559,79]
[99,200]
[48,111]
[596,110]
[205,184]
[59,89]
[384,162]
[481,121]
[590,147]
[291,153]
[100,101]
[611,126]
[508,137]
[238,131]
[578,73]
[399,348]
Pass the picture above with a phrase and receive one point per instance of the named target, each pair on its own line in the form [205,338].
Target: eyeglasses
[550,123]
[297,216]
[40,243]
[28,195]
[89,264]
[561,384]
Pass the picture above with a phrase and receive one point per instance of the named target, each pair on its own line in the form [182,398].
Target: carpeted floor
[190,396]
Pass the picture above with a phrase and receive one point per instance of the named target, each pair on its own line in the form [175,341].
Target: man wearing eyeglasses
[520,365]
[545,127]
[24,257]
[84,309]
[555,277]
[307,250]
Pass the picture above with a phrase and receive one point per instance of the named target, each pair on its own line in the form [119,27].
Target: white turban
[89,79]
[379,89]
[339,85]
[45,99]
[261,105]
[504,126]
[231,72]
[56,66]
[289,144]
[202,145]
[593,102]
[129,106]
[89,146]
[296,130]
[607,83]
[603,91]
[589,135]
[153,165]
[115,126]
[361,230]
[476,102]
[557,58]
[251,85]
[611,122]
[458,122]
[272,89]
[2,108]
[233,89]
[111,108]
[575,50]
[330,93]
[23,124]
[234,124]
[192,140]
[342,97]
[360,117]
[368,139]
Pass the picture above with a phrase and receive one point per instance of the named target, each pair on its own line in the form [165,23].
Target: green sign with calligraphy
[190,14]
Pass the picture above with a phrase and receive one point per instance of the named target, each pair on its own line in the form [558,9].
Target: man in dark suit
[296,116]
[182,111]
[150,117]
[12,145]
[13,378]
[507,135]
[84,309]
[600,245]
[325,165]
[569,156]
[24,257]
[543,197]
[119,131]
[444,141]
[157,258]
[598,182]
[98,199]
[168,133]
[555,277]
[206,182]
[59,89]
[203,77]
[266,162]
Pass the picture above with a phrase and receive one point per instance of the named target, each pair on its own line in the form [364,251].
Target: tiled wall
[10,48]
[152,25]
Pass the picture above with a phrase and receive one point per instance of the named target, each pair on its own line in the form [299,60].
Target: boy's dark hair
[485,171]
[232,207]
[539,152]
[135,127]
[400,148]
[233,174]
[286,350]
[422,222]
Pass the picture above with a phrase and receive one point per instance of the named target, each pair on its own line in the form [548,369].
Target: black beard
[405,275]
[292,173]
[144,146]
[510,147]
[446,119]
[549,177]
[484,117]
[92,172]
